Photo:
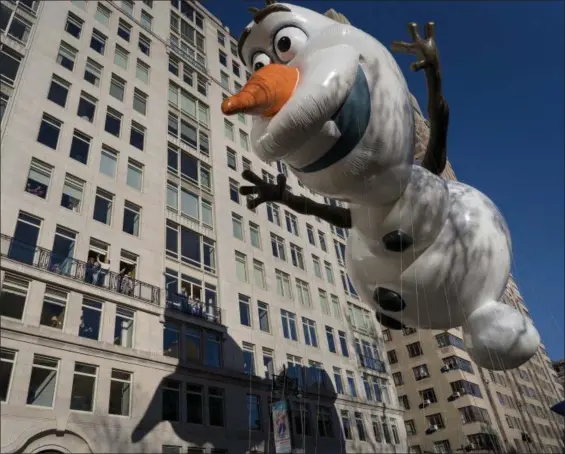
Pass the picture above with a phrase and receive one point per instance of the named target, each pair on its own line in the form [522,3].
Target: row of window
[43,383]
[190,247]
[534,410]
[104,14]
[14,298]
[61,259]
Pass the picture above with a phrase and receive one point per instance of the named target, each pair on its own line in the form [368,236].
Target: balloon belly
[466,266]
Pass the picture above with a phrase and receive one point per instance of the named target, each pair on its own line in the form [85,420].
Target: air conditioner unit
[444,369]
[456,394]
[432,429]
[427,402]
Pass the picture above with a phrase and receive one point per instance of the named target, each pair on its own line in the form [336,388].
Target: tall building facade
[144,308]
[559,368]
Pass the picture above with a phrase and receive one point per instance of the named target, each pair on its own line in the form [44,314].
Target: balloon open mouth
[266,92]
[352,120]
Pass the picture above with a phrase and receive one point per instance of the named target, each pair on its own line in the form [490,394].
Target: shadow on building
[241,420]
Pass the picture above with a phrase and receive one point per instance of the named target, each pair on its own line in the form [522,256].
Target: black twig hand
[424,49]
[265,192]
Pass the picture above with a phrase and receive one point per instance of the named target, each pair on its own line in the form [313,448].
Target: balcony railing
[372,363]
[77,270]
[195,308]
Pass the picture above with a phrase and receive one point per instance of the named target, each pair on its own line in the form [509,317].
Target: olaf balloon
[330,101]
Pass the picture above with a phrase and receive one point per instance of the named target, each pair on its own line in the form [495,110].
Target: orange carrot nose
[266,92]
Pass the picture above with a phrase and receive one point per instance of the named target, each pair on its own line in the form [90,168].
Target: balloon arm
[336,216]
[435,158]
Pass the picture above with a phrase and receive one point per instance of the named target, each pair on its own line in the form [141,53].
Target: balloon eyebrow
[258,17]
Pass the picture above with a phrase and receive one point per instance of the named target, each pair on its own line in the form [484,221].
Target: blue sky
[503,79]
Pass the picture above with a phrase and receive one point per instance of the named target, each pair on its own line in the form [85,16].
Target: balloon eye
[258,66]
[283,44]
[259,60]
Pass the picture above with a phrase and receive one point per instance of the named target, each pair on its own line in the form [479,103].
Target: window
[263,313]
[278,247]
[397,378]
[322,241]
[237,226]
[414,350]
[428,396]
[120,393]
[221,39]
[19,29]
[103,204]
[244,310]
[291,223]
[466,387]
[194,404]
[236,69]
[170,395]
[455,362]
[98,42]
[254,411]
[71,197]
[80,146]
[124,30]
[446,339]
[360,426]
[11,64]
[234,191]
[244,140]
[54,308]
[74,25]
[137,135]
[259,274]
[351,384]
[127,6]
[173,65]
[26,234]
[297,257]
[248,359]
[142,72]
[223,58]
[336,307]
[92,72]
[442,446]
[273,213]
[246,164]
[66,56]
[139,102]
[49,131]
[329,272]
[387,336]
[309,330]
[171,336]
[103,15]
[421,372]
[113,125]
[435,420]
[317,266]
[232,159]
[202,85]
[146,20]
[117,87]
[347,432]
[195,249]
[216,406]
[472,414]
[392,358]
[13,297]
[121,57]
[255,235]
[132,215]
[108,161]
[144,45]
[83,388]
[343,343]
[58,91]
[228,130]
[283,284]
[289,325]
[310,234]
[134,177]
[241,266]
[7,361]
[38,179]
[123,327]
[86,107]
[43,381]
[303,292]
[404,402]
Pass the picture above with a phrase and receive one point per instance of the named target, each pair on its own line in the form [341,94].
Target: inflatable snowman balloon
[330,101]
